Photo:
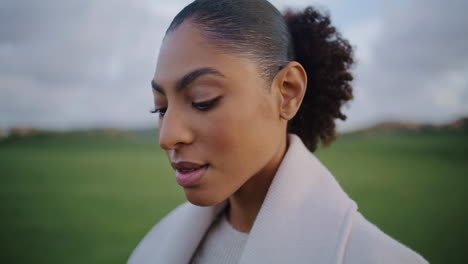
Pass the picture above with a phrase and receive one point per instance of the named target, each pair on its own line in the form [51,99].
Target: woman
[244,97]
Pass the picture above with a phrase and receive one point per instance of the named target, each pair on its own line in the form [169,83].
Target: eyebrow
[190,77]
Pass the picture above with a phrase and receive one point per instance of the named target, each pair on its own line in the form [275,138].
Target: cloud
[416,62]
[68,64]
[77,63]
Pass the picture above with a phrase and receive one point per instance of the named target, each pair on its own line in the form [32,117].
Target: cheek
[220,135]
[233,138]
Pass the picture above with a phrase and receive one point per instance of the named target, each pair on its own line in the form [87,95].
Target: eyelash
[202,106]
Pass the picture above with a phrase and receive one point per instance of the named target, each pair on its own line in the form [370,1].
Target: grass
[90,199]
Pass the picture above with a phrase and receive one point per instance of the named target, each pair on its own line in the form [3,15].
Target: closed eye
[160,111]
[207,105]
[201,106]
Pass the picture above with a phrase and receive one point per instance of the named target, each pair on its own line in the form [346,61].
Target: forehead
[186,49]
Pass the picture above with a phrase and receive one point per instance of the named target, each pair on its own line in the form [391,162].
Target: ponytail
[327,59]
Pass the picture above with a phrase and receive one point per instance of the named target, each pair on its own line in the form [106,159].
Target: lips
[188,173]
[187,166]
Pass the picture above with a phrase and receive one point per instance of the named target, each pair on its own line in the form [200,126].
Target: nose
[174,130]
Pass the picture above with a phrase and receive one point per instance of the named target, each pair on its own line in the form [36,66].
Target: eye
[207,105]
[160,111]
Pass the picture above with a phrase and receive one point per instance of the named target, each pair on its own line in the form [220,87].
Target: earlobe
[292,84]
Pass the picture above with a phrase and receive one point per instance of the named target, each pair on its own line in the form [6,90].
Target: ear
[291,84]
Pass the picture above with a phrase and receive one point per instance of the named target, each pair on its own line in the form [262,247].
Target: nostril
[165,145]
[173,142]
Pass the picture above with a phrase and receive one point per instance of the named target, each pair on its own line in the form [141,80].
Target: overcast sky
[88,63]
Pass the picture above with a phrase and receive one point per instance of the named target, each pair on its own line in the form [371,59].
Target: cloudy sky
[88,63]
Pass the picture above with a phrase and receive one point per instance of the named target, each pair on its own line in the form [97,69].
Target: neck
[246,202]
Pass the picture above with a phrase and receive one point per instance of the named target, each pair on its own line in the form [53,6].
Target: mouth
[189,174]
[183,170]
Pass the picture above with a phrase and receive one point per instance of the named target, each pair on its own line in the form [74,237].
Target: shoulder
[368,244]
[157,235]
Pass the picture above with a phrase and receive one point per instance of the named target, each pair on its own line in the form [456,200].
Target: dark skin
[224,114]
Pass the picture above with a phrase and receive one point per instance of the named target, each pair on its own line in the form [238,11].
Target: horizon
[398,124]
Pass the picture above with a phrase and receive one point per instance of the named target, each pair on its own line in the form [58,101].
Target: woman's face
[219,124]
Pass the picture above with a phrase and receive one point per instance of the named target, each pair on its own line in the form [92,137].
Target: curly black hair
[327,58]
[257,30]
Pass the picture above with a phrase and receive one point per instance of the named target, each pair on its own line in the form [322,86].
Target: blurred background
[82,178]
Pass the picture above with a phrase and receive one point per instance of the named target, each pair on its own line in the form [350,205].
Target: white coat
[306,217]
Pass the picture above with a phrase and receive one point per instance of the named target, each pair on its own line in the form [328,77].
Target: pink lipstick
[188,174]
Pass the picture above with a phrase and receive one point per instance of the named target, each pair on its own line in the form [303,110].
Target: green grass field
[90,199]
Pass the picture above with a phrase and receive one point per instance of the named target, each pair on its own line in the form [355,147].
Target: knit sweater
[221,244]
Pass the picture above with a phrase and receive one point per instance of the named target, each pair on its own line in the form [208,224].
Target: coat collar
[305,217]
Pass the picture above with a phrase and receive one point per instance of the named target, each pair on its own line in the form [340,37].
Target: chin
[200,198]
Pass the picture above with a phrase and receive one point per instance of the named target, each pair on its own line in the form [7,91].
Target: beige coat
[306,218]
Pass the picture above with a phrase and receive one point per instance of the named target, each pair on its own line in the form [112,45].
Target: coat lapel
[306,216]
[186,232]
